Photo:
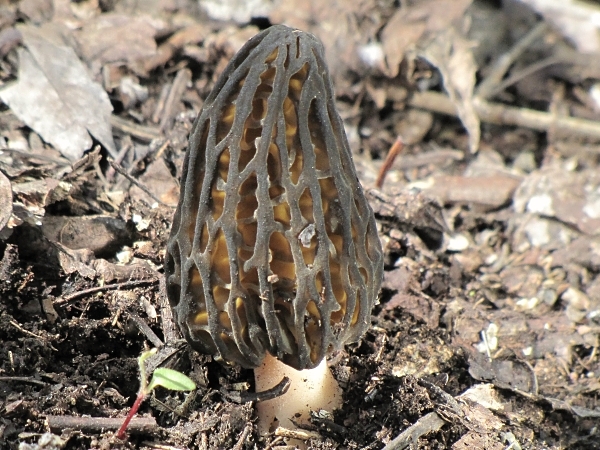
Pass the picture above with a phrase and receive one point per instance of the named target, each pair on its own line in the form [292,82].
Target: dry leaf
[451,54]
[103,235]
[116,38]
[573,198]
[576,20]
[160,182]
[76,261]
[411,23]
[56,97]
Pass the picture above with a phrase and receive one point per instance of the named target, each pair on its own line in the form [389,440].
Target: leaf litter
[486,334]
[55,95]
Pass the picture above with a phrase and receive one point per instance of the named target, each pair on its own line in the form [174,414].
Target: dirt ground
[476,135]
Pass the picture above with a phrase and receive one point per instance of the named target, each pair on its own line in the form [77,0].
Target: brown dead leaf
[100,234]
[452,55]
[190,35]
[572,197]
[38,11]
[404,280]
[411,23]
[409,210]
[584,251]
[55,95]
[116,38]
[227,41]
[489,192]
[473,440]
[41,193]
[160,182]
[504,374]
[485,395]
[113,273]
[575,19]
[76,261]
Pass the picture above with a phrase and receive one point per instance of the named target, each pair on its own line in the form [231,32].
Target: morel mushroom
[274,248]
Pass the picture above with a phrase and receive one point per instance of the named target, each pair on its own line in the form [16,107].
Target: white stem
[310,389]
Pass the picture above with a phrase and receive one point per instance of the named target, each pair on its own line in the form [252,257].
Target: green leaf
[171,379]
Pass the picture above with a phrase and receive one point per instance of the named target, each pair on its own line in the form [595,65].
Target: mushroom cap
[273,247]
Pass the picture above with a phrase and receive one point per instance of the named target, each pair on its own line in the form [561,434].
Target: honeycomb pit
[274,248]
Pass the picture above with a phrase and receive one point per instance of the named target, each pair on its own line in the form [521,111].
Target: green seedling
[167,378]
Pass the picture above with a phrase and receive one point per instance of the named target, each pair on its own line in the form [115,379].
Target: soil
[486,331]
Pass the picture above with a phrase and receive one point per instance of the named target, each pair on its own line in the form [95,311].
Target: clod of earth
[274,248]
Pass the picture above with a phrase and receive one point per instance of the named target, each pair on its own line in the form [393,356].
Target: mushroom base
[310,389]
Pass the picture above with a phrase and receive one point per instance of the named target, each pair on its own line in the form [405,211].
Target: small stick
[389,160]
[523,73]
[109,287]
[193,34]
[244,397]
[23,380]
[34,156]
[169,328]
[488,87]
[135,181]
[160,104]
[505,115]
[303,435]
[95,424]
[183,77]
[426,424]
[23,330]
[145,329]
[141,132]
[110,173]
[242,440]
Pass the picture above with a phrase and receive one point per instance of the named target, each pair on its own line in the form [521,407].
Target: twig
[190,35]
[109,287]
[484,338]
[161,149]
[241,441]
[169,329]
[160,103]
[34,156]
[426,424]
[135,181]
[178,88]
[23,330]
[157,446]
[23,380]
[141,132]
[534,381]
[389,160]
[488,87]
[145,329]
[523,73]
[244,397]
[303,435]
[505,115]
[95,424]
[110,173]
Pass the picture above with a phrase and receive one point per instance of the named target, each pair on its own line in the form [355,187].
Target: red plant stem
[134,409]
[389,160]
